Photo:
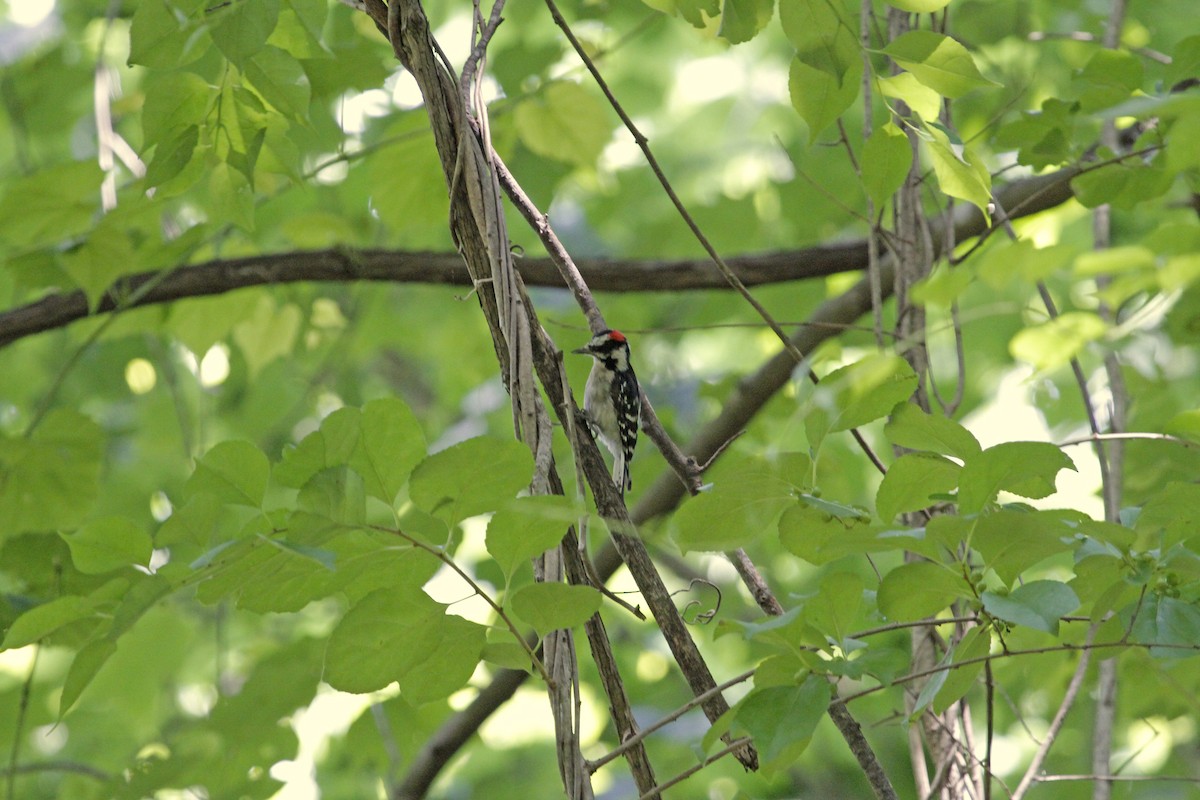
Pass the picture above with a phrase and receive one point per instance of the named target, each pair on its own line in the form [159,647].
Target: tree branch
[1021,198]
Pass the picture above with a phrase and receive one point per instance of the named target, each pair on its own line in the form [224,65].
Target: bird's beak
[582,351]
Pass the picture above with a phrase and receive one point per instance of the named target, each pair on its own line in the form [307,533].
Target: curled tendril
[701,617]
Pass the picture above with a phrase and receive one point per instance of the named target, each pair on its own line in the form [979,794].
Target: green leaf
[235,471]
[918,590]
[108,253]
[331,445]
[960,172]
[51,205]
[163,37]
[782,719]
[269,333]
[937,61]
[1054,343]
[1028,469]
[820,538]
[195,522]
[697,12]
[1114,260]
[551,606]
[418,202]
[400,634]
[925,102]
[1170,516]
[471,477]
[299,29]
[172,156]
[834,608]
[1185,60]
[741,20]
[42,620]
[174,102]
[528,527]
[911,427]
[818,26]
[919,6]
[943,287]
[933,685]
[974,645]
[392,444]
[825,76]
[819,94]
[108,543]
[51,479]
[336,494]
[232,200]
[1185,425]
[886,159]
[87,662]
[1165,621]
[859,393]
[1013,541]
[315,559]
[281,81]
[1037,605]
[241,28]
[910,482]
[509,655]
[1109,77]
[202,322]
[743,505]
[1124,185]
[564,122]
[1023,262]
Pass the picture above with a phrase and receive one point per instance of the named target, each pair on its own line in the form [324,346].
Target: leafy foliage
[220,514]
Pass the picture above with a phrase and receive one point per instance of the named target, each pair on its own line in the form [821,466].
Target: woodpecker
[612,401]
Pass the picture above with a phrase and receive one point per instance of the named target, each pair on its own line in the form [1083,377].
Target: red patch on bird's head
[616,336]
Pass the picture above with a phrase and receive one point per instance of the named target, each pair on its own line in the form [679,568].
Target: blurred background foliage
[286,125]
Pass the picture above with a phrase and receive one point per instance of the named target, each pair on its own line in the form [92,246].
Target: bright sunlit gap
[1011,416]
[329,715]
[214,367]
[29,13]
[140,376]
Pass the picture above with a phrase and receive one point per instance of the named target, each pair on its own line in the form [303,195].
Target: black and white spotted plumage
[613,401]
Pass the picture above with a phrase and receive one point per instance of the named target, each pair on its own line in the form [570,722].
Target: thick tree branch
[1020,198]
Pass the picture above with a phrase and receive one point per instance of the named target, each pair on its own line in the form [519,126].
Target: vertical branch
[864,33]
[1035,766]
[1113,488]
[948,749]
[459,121]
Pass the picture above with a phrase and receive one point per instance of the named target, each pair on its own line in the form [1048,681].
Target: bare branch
[1039,758]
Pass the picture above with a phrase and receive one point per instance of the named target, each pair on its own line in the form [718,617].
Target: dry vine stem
[521,345]
[477,225]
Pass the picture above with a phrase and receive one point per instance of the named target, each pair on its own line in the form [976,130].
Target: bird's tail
[621,476]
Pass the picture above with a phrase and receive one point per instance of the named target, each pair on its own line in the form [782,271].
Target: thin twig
[1013,653]
[662,722]
[734,281]
[732,747]
[14,756]
[441,555]
[989,682]
[1125,778]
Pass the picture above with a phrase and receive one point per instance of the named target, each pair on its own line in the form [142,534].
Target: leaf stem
[440,555]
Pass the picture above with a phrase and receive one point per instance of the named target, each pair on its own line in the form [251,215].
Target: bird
[612,401]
